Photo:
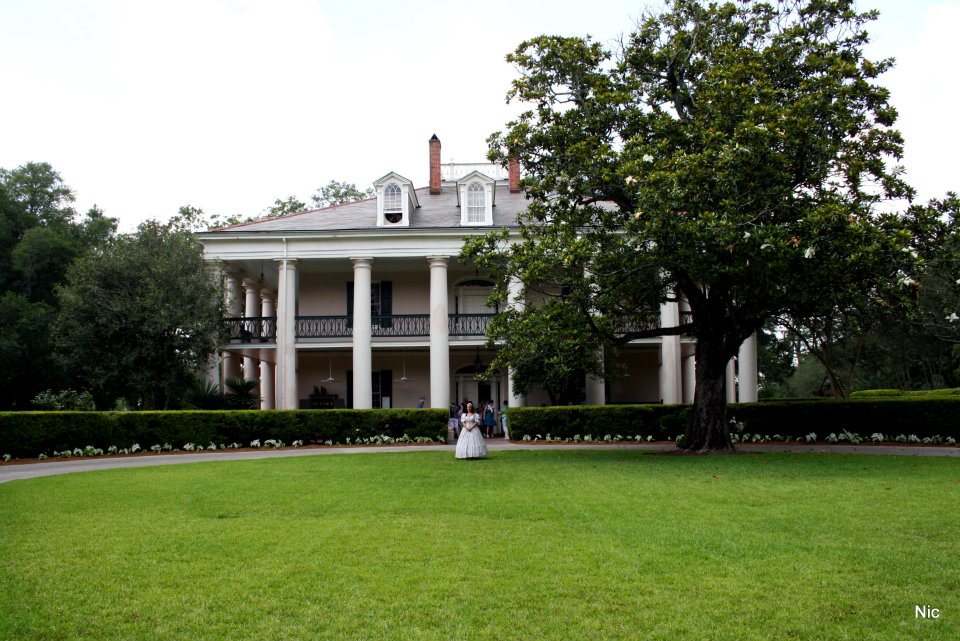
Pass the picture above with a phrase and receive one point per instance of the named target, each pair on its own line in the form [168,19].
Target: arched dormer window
[392,203]
[476,206]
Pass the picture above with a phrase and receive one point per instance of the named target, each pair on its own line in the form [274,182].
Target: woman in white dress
[471,443]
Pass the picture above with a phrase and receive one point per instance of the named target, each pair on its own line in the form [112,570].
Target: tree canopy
[140,319]
[731,156]
[40,236]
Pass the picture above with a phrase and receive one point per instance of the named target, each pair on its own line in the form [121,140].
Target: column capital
[267,294]
[362,261]
[287,261]
[251,283]
[438,260]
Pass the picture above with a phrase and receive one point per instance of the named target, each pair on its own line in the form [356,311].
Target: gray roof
[438,211]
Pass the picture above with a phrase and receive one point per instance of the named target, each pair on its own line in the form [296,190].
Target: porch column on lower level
[267,369]
[670,381]
[515,300]
[286,375]
[362,349]
[747,376]
[251,364]
[439,333]
[731,381]
[231,294]
[596,387]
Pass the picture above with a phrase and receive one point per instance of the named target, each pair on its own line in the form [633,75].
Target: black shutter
[350,306]
[386,303]
[386,387]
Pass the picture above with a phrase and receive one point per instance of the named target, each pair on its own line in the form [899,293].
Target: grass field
[526,545]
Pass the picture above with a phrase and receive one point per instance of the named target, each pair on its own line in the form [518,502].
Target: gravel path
[12,472]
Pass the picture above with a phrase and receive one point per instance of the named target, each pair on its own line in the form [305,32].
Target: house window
[475,203]
[392,204]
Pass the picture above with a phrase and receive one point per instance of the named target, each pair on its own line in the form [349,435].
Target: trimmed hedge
[629,421]
[923,416]
[923,393]
[28,434]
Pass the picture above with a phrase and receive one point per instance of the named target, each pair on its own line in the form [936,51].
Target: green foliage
[729,153]
[878,393]
[138,319]
[241,394]
[39,239]
[629,421]
[338,193]
[291,205]
[67,399]
[27,434]
[924,415]
[204,395]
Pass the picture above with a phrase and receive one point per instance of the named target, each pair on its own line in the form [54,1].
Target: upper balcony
[259,329]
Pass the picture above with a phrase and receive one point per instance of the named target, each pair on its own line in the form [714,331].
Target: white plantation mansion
[366,304]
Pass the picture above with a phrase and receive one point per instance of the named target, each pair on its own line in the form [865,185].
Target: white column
[231,292]
[689,378]
[731,381]
[747,364]
[670,381]
[362,350]
[596,390]
[251,365]
[439,333]
[515,300]
[267,369]
[286,375]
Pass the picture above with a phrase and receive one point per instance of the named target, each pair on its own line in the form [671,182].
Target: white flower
[953,317]
[647,158]
[912,252]
[906,281]
[809,253]
[630,180]
[766,246]
[746,235]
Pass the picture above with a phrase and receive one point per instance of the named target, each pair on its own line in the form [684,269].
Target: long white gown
[471,443]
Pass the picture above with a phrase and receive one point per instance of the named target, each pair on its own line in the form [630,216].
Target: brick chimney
[513,168]
[435,165]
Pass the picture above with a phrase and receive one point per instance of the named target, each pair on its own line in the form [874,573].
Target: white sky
[229,104]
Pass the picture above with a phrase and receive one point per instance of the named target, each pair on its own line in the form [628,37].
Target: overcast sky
[229,104]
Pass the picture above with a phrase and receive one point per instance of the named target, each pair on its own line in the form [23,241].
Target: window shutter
[386,303]
[386,387]
[350,303]
[349,389]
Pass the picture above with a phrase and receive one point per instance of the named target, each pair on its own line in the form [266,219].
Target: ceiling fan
[403,377]
[330,378]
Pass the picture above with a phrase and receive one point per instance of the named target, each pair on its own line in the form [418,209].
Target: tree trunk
[709,430]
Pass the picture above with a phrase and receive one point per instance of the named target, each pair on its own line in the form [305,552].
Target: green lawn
[571,545]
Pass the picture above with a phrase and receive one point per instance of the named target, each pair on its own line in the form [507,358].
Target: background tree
[291,205]
[40,237]
[338,193]
[140,318]
[729,154]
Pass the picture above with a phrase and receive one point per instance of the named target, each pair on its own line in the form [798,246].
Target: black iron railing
[264,329]
[324,326]
[469,324]
[252,329]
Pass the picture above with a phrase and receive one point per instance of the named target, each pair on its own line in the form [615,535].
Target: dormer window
[475,197]
[476,207]
[396,200]
[392,204]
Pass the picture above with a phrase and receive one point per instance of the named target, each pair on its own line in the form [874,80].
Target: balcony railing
[259,329]
[264,329]
[252,329]
[469,324]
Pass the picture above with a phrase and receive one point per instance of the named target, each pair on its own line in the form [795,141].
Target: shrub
[924,416]
[27,434]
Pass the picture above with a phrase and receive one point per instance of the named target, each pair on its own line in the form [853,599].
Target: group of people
[471,424]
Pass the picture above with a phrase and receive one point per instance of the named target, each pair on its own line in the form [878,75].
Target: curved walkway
[12,472]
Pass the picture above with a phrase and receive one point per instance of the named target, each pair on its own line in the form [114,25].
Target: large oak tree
[730,155]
